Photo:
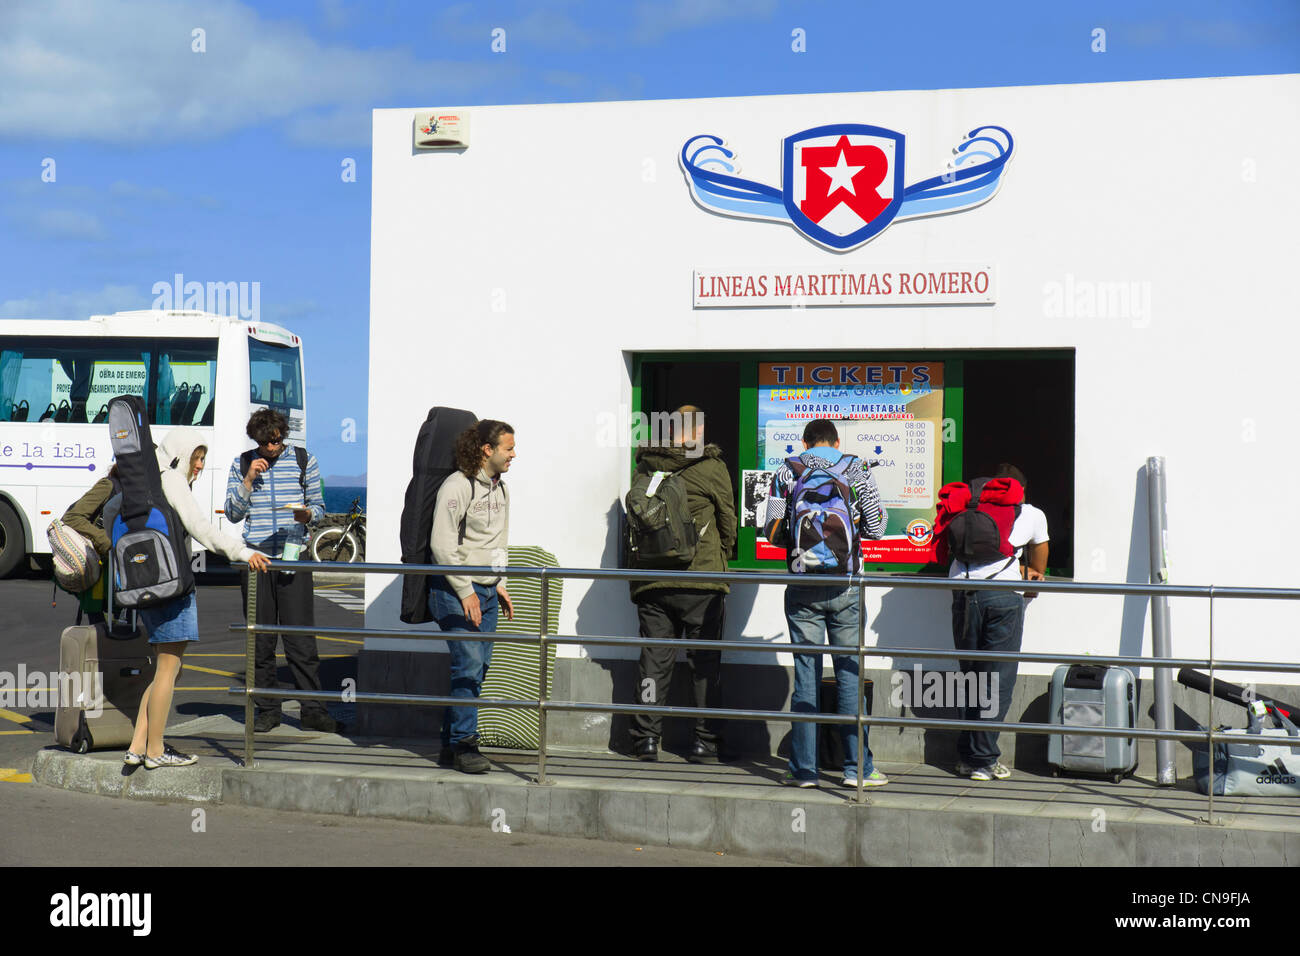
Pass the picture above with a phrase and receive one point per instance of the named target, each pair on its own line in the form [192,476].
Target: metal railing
[544,705]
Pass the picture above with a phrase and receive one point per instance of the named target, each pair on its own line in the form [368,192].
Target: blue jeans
[469,659]
[986,621]
[813,613]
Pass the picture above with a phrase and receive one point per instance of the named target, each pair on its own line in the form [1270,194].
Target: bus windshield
[275,372]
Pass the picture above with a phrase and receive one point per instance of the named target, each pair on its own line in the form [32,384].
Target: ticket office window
[1015,407]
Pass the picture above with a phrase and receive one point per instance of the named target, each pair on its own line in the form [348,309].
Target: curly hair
[266,422]
[470,442]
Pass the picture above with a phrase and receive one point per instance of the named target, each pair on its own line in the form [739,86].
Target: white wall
[1185,187]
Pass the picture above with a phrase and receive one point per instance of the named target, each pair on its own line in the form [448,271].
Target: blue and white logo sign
[842,184]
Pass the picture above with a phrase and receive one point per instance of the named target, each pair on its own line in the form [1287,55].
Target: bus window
[67,380]
[186,382]
[275,372]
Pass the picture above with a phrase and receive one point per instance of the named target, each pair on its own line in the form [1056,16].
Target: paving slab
[925,816]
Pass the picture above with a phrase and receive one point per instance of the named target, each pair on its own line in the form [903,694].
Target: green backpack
[660,530]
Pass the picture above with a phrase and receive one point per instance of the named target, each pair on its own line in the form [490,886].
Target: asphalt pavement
[29,637]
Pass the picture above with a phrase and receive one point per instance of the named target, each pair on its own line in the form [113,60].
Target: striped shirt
[868,513]
[268,525]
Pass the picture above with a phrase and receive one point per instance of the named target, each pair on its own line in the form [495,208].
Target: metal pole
[250,676]
[1209,721]
[862,685]
[1166,774]
[542,690]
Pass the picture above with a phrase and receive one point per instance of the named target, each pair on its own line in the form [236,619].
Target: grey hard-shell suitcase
[106,665]
[1084,696]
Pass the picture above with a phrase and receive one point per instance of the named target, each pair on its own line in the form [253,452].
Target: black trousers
[680,614]
[285,599]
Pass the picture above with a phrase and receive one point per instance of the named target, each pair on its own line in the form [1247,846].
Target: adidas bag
[1245,770]
[76,563]
[151,554]
[661,533]
[822,536]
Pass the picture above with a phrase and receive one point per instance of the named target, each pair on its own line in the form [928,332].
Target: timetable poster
[889,414]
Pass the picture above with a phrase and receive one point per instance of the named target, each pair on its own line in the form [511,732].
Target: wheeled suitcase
[1083,696]
[104,667]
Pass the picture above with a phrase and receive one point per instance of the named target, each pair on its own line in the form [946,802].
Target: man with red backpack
[982,528]
[822,504]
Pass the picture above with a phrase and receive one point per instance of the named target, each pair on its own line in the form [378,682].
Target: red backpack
[973,522]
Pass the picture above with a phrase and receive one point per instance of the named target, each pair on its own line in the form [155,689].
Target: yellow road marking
[211,670]
[16,718]
[8,775]
[10,733]
[341,640]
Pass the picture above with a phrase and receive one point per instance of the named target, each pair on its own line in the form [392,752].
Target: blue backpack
[820,530]
[151,552]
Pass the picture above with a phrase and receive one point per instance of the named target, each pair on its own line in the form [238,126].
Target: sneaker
[171,757]
[133,759]
[790,780]
[873,779]
[995,771]
[266,722]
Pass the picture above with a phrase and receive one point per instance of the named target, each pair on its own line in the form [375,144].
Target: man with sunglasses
[276,496]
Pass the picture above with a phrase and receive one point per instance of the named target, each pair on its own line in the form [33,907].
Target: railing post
[1209,723]
[862,686]
[250,664]
[542,694]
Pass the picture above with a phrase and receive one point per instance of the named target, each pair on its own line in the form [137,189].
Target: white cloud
[127,190]
[76,305]
[655,20]
[124,72]
[62,223]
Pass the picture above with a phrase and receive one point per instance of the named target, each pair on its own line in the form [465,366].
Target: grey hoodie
[487,528]
[178,447]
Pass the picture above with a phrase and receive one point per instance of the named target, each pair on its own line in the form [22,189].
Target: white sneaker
[873,779]
[995,771]
[171,757]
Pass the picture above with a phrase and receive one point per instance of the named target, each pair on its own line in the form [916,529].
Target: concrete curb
[817,827]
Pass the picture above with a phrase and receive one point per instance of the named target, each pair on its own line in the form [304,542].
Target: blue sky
[225,165]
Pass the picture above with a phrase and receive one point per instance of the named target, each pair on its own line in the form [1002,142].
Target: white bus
[192,368]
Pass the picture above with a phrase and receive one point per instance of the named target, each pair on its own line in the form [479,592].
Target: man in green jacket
[687,611]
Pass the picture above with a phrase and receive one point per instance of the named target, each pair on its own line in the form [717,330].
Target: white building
[1125,296]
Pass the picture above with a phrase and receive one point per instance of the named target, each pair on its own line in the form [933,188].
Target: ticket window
[709,385]
[965,413]
[1020,410]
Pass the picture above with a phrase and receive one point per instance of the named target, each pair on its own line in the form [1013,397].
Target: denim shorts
[173,622]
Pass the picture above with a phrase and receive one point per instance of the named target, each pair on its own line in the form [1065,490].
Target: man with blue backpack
[822,504]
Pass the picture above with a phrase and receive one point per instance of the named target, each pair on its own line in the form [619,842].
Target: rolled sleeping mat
[1233,693]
